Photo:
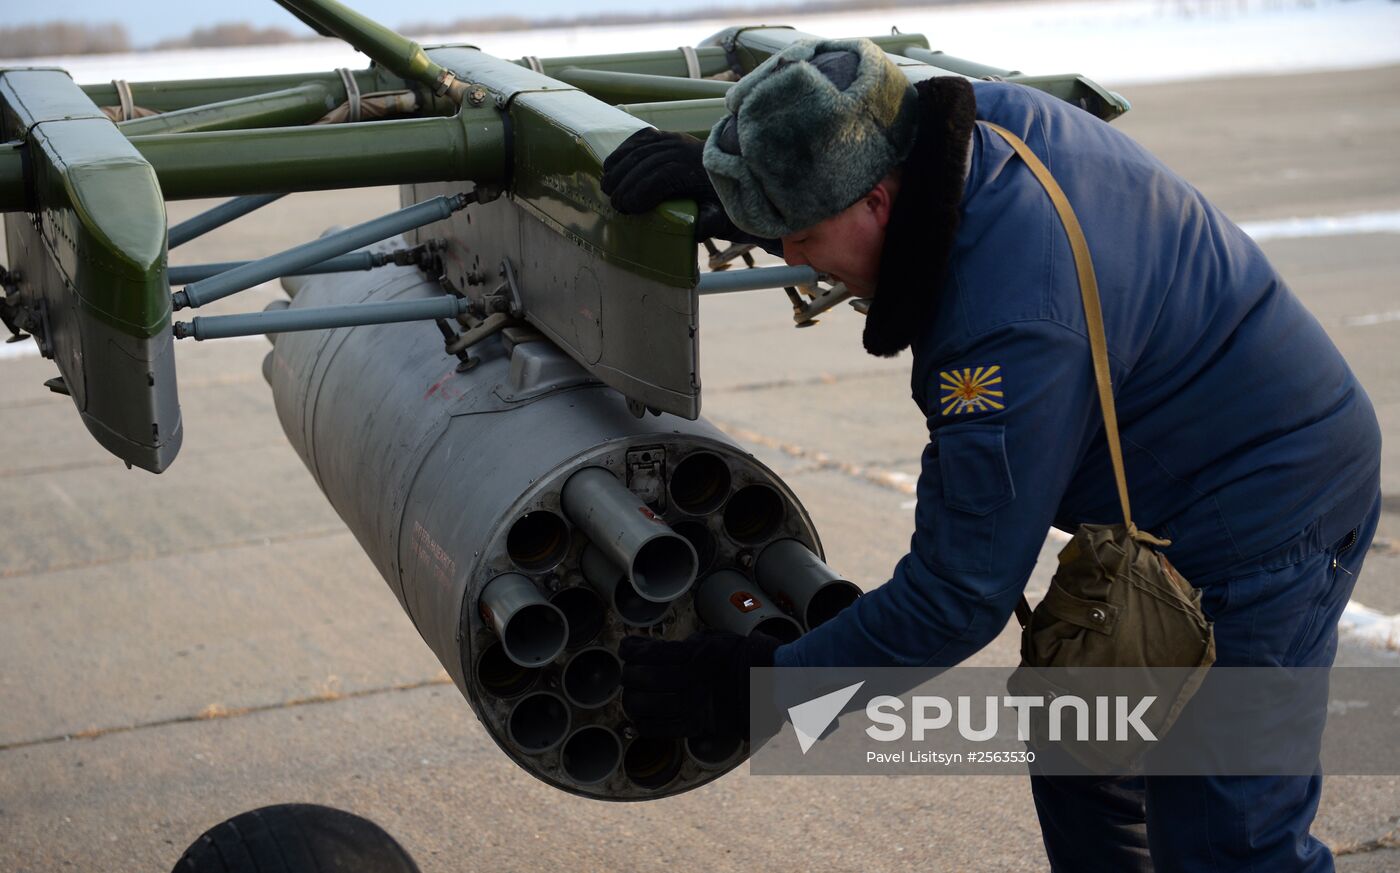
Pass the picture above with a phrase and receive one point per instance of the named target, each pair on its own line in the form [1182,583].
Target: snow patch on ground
[1330,225]
[1371,627]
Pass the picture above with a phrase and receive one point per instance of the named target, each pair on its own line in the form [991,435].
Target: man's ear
[880,200]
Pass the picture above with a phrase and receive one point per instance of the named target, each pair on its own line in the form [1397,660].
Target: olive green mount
[84,195]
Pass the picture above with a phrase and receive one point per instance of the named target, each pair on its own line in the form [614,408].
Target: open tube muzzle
[660,563]
[591,754]
[725,600]
[802,584]
[538,722]
[617,591]
[532,630]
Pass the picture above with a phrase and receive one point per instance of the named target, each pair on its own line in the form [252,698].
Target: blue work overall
[1248,442]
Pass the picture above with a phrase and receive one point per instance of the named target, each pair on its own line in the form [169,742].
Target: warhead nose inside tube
[532,630]
[725,600]
[802,583]
[659,562]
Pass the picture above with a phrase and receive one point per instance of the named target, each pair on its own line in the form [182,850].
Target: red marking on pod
[744,601]
[447,390]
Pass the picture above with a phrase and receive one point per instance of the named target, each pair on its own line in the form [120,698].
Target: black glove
[693,687]
[654,165]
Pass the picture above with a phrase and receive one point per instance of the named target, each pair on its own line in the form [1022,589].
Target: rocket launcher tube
[612,585]
[538,722]
[725,600]
[592,678]
[659,562]
[532,630]
[802,583]
[591,754]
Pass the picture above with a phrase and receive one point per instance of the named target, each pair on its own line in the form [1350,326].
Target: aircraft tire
[295,838]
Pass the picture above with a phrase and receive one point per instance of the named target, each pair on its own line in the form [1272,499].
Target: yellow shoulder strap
[1093,315]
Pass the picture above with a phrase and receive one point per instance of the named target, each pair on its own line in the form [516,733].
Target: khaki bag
[1115,601]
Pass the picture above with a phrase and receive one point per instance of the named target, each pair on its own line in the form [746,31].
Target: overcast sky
[149,20]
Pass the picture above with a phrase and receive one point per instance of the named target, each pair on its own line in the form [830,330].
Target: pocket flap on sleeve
[973,466]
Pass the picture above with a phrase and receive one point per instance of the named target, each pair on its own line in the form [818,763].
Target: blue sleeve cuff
[786,656]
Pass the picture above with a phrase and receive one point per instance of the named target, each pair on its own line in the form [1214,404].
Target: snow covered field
[1115,42]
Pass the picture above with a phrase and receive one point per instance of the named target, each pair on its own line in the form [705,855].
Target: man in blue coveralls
[1248,442]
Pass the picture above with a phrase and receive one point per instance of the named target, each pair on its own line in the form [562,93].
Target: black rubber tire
[295,838]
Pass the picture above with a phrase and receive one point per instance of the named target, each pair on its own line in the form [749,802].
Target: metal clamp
[124,99]
[449,85]
[352,93]
[692,62]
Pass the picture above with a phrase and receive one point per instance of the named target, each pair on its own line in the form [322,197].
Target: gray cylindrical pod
[725,600]
[801,583]
[532,630]
[617,592]
[401,462]
[660,563]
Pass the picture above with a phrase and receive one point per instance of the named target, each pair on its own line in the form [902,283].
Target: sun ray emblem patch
[971,389]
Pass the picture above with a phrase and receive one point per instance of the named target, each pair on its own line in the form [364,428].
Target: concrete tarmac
[178,649]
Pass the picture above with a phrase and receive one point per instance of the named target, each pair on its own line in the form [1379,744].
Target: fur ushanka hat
[809,132]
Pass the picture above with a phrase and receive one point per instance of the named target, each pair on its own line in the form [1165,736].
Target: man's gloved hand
[654,165]
[692,687]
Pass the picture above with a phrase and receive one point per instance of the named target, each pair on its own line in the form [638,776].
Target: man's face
[847,245]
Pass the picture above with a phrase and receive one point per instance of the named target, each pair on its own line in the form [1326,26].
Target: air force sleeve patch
[971,389]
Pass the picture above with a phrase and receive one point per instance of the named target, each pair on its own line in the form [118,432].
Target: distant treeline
[230,34]
[75,38]
[63,38]
[497,23]
[72,38]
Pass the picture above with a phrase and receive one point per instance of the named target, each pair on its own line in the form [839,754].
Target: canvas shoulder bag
[1115,601]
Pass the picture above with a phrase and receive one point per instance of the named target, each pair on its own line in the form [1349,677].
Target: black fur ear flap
[924,219]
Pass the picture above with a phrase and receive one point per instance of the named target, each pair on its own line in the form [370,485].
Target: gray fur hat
[809,132]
